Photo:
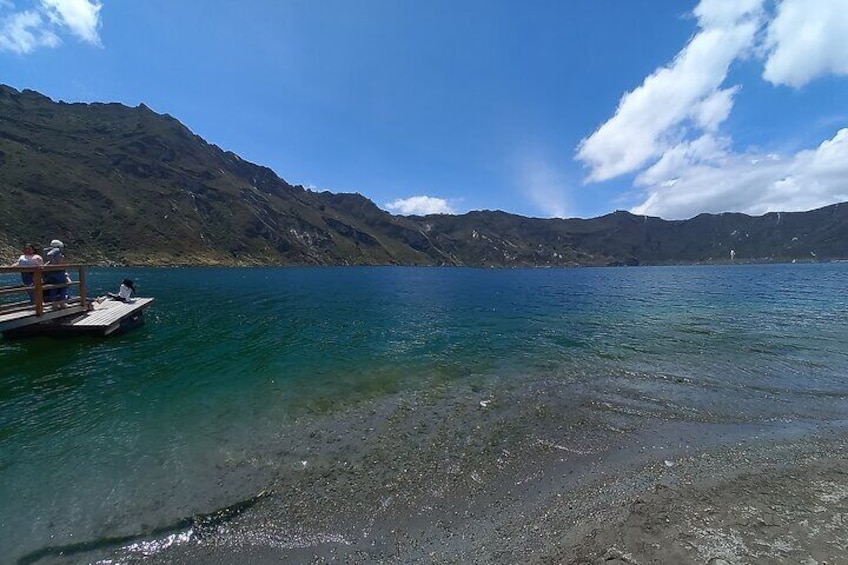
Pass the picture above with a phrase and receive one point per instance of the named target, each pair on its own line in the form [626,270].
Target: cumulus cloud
[25,30]
[752,183]
[668,131]
[805,40]
[707,149]
[420,206]
[714,109]
[81,17]
[674,99]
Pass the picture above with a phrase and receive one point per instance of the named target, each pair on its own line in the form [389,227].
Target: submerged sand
[539,473]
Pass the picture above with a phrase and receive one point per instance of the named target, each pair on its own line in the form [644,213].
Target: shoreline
[755,500]
[511,475]
[154,261]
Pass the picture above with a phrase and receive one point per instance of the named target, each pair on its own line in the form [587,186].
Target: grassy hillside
[130,186]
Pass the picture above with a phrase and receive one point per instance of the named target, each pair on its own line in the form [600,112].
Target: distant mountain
[130,186]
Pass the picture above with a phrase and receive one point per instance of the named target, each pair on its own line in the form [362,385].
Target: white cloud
[81,17]
[669,130]
[807,39]
[714,109]
[717,13]
[420,206]
[706,149]
[24,31]
[674,99]
[753,184]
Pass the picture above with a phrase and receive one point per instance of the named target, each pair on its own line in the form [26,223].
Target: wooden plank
[69,266]
[28,317]
[109,312]
[14,289]
[22,288]
[26,309]
[16,306]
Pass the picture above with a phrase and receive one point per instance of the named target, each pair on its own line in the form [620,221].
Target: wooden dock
[74,316]
[107,317]
[27,316]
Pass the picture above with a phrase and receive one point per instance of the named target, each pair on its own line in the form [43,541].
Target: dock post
[82,286]
[39,292]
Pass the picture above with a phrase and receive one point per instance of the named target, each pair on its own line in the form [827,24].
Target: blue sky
[541,108]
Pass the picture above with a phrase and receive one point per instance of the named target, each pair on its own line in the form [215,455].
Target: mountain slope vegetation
[125,185]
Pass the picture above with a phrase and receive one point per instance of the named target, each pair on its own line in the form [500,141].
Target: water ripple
[230,358]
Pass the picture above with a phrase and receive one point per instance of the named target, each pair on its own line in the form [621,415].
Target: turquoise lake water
[95,429]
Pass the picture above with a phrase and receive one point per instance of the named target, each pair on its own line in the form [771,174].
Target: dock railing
[21,299]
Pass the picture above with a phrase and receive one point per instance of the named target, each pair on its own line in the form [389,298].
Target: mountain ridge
[124,185]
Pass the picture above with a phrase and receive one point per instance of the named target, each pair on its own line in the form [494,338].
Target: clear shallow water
[93,431]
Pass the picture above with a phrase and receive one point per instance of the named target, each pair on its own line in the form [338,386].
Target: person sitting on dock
[56,256]
[124,292]
[29,259]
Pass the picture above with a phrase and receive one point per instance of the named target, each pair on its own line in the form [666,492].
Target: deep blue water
[92,428]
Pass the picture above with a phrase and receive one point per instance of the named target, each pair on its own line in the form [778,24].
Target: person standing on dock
[56,256]
[29,259]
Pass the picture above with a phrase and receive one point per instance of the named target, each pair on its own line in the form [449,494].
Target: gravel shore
[537,473]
